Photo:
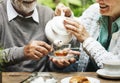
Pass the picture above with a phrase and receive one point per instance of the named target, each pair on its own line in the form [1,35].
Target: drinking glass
[60,51]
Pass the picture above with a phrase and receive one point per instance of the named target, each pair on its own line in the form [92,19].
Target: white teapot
[56,32]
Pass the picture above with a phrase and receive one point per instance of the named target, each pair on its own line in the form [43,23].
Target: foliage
[77,6]
[49,3]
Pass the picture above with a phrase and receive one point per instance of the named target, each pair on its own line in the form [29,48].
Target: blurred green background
[77,6]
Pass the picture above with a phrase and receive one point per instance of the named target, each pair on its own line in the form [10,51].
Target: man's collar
[12,13]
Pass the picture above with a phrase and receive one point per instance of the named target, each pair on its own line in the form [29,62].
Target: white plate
[91,79]
[102,73]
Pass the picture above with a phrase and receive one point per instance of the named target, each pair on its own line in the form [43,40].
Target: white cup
[112,67]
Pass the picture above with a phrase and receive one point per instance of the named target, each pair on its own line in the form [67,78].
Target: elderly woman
[98,29]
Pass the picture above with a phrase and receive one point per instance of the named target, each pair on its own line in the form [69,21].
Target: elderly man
[22,37]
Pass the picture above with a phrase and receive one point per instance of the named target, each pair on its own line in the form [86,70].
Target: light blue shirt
[104,37]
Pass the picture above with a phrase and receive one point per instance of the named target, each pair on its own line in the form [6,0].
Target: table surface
[18,77]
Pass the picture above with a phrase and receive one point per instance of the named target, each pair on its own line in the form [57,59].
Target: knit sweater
[90,19]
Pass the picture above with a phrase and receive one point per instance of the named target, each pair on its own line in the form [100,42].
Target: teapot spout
[58,43]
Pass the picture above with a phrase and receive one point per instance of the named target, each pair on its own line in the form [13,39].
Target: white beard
[24,7]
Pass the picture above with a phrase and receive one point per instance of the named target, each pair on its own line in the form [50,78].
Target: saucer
[62,57]
[101,72]
[91,79]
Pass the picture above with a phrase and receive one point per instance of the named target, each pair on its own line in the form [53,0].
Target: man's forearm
[11,56]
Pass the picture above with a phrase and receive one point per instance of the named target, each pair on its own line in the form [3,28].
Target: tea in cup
[60,52]
[112,67]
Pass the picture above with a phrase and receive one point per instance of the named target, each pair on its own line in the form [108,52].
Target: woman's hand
[76,29]
[62,8]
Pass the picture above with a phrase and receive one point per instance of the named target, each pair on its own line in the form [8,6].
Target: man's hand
[62,8]
[64,62]
[36,49]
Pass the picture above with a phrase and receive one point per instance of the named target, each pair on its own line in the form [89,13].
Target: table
[17,77]
[0,77]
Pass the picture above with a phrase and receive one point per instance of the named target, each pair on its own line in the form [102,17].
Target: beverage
[60,53]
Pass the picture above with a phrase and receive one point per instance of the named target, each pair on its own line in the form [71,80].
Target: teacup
[112,67]
[61,52]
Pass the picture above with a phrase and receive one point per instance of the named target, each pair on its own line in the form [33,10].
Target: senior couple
[25,46]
